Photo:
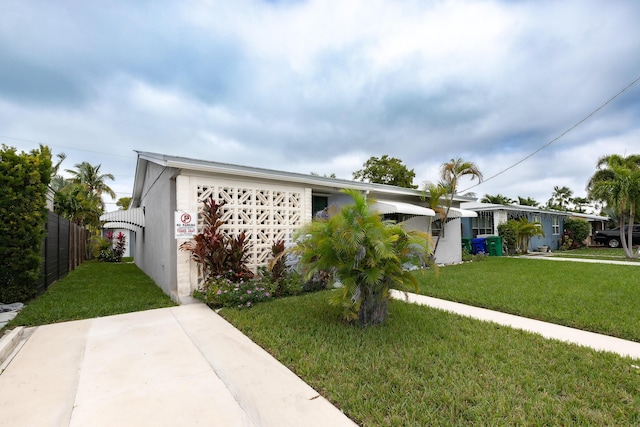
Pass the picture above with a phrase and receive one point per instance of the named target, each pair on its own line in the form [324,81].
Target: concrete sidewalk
[586,260]
[173,366]
[547,330]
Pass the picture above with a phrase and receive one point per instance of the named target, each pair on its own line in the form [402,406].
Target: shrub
[218,253]
[575,233]
[367,255]
[24,180]
[227,280]
[467,257]
[509,233]
[224,292]
[111,249]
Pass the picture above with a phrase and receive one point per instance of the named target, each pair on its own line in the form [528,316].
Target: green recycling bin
[466,244]
[494,245]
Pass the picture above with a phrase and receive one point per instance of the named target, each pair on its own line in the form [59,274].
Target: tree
[386,170]
[366,254]
[443,192]
[498,199]
[579,203]
[79,198]
[331,175]
[76,204]
[90,178]
[617,182]
[525,230]
[123,203]
[527,202]
[560,198]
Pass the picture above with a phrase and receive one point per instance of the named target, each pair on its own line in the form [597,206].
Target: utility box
[494,245]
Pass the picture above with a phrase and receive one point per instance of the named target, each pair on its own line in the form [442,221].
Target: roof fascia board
[520,208]
[252,172]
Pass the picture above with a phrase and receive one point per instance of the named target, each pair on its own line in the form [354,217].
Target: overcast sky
[321,86]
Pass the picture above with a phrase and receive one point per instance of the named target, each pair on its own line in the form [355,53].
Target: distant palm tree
[617,182]
[498,199]
[560,198]
[90,178]
[579,203]
[527,202]
[455,169]
[450,174]
[79,198]
[525,231]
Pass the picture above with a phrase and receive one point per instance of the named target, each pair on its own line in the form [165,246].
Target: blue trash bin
[479,245]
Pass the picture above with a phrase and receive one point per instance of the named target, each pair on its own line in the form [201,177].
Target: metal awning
[461,213]
[123,225]
[131,219]
[390,207]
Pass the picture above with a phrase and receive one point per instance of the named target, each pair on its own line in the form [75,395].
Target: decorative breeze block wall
[265,214]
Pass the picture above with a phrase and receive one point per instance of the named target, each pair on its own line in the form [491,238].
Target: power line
[62,146]
[556,138]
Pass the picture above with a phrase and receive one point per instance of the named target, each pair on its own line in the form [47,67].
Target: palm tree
[89,176]
[366,254]
[77,205]
[560,198]
[452,171]
[525,231]
[617,182]
[498,199]
[579,203]
[450,174]
[527,201]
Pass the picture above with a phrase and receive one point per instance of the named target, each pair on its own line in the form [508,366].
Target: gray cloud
[322,85]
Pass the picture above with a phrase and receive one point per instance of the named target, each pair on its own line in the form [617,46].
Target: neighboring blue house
[491,215]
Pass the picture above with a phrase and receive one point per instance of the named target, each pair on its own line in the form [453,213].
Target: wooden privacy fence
[64,248]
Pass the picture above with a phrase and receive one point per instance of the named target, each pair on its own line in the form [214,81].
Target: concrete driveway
[166,367]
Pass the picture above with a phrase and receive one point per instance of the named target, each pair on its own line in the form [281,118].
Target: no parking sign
[186,224]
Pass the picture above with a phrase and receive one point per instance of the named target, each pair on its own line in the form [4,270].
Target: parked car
[611,238]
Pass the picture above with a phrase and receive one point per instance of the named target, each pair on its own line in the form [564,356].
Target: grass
[595,253]
[423,366]
[595,297]
[94,289]
[428,367]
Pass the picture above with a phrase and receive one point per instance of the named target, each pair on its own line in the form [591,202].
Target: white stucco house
[268,205]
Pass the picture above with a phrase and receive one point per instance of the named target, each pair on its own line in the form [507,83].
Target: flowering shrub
[224,292]
[217,252]
[111,249]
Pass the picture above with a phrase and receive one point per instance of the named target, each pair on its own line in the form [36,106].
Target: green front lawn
[94,289]
[596,297]
[427,367]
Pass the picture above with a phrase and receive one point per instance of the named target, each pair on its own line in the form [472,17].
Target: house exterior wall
[549,239]
[499,217]
[266,212]
[155,248]
[267,208]
[450,246]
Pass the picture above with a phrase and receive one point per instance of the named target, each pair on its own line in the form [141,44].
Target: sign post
[186,224]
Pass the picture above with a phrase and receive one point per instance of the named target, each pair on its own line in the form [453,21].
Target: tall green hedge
[24,180]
